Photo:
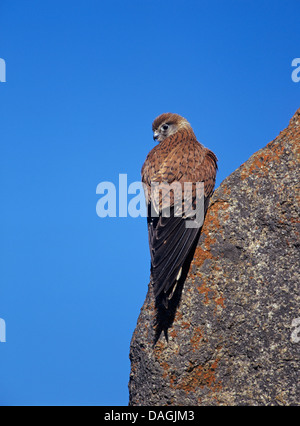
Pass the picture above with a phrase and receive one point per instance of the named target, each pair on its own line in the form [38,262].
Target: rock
[235,335]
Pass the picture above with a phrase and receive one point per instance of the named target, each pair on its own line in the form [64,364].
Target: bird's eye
[165,127]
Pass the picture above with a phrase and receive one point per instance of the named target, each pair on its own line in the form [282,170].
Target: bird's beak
[155,135]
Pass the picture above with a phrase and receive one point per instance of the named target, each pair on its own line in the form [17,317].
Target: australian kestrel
[178,158]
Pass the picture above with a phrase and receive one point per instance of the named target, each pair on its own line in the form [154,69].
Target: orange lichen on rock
[200,376]
[185,325]
[261,161]
[273,152]
[199,257]
[211,225]
[196,338]
[219,301]
[203,289]
[203,252]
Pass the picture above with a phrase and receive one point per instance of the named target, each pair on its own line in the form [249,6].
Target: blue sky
[85,79]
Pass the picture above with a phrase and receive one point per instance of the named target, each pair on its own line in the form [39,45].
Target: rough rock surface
[235,338]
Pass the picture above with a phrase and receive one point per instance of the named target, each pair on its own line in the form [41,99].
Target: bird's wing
[170,243]
[170,240]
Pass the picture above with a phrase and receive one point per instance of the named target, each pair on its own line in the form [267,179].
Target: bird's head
[167,124]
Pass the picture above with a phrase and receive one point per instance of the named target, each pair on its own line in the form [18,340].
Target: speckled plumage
[179,157]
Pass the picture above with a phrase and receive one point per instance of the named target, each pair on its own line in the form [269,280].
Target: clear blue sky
[85,79]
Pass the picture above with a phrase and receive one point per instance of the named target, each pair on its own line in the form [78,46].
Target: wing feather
[170,240]
[169,250]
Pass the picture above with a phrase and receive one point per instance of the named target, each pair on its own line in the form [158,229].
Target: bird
[177,159]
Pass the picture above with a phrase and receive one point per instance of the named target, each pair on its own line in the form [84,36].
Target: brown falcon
[178,158]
